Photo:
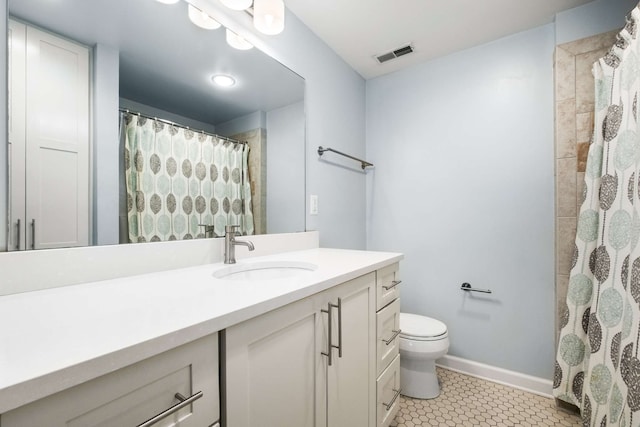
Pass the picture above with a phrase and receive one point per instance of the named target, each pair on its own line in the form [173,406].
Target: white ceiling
[359,30]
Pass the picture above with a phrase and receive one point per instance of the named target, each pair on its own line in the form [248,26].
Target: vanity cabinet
[135,394]
[388,344]
[48,135]
[350,383]
[278,371]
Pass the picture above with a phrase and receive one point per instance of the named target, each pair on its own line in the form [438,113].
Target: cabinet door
[275,373]
[57,142]
[351,377]
[132,395]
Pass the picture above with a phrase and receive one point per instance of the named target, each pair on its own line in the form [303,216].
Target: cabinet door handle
[329,344]
[396,332]
[33,234]
[395,396]
[339,307]
[184,401]
[393,285]
[18,235]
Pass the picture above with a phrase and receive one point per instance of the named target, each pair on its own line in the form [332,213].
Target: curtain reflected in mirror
[182,184]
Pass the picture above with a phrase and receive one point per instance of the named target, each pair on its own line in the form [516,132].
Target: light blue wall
[255,120]
[463,185]
[285,180]
[335,113]
[593,18]
[106,152]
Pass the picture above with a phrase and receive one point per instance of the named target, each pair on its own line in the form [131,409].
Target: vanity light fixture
[268,16]
[237,42]
[168,1]
[223,80]
[201,19]
[237,4]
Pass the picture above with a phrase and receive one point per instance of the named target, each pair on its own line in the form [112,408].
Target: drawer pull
[396,332]
[329,344]
[18,235]
[33,234]
[393,285]
[390,404]
[339,346]
[184,401]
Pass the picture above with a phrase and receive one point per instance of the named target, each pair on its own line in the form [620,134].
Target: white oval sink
[265,270]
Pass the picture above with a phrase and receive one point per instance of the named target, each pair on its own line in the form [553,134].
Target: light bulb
[201,19]
[237,42]
[237,4]
[268,16]
[223,80]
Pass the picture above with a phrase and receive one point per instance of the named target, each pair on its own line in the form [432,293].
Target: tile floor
[469,401]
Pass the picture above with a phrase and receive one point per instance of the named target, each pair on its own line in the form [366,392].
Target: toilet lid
[421,326]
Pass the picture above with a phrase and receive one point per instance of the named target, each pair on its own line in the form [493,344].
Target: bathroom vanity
[304,338]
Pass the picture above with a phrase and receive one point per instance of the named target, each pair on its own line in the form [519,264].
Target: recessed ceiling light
[168,1]
[223,80]
[201,19]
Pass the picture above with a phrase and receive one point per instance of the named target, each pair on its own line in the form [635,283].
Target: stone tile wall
[574,109]
[257,139]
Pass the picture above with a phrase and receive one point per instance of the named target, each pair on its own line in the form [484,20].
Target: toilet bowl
[422,341]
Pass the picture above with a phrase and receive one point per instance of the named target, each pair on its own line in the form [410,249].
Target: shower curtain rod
[169,122]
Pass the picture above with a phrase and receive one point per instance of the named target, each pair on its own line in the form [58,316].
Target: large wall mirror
[118,134]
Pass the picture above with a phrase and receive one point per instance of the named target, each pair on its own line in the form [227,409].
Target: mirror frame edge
[4,130]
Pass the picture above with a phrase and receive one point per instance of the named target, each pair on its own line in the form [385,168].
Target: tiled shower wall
[257,139]
[574,104]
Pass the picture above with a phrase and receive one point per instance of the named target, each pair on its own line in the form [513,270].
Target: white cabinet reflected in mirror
[117,132]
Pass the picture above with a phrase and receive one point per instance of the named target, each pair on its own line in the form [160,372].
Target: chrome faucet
[209,230]
[230,244]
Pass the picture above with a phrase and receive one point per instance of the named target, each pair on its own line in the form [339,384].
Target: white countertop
[54,339]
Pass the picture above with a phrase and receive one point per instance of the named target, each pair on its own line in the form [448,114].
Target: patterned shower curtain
[597,366]
[179,180]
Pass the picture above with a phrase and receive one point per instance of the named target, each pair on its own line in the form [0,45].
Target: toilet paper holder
[467,287]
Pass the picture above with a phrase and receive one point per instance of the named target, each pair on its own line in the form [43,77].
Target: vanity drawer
[387,281]
[388,338]
[136,393]
[388,393]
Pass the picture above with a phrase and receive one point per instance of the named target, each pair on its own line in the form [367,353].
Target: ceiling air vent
[394,54]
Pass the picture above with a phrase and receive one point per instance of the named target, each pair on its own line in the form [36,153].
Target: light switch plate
[313,204]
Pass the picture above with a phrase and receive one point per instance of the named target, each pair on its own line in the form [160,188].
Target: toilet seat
[421,328]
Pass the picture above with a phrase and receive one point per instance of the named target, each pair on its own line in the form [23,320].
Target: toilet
[422,341]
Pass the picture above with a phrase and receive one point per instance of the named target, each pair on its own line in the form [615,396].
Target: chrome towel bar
[363,163]
[467,287]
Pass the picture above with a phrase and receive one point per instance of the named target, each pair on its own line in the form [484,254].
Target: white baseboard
[517,380]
